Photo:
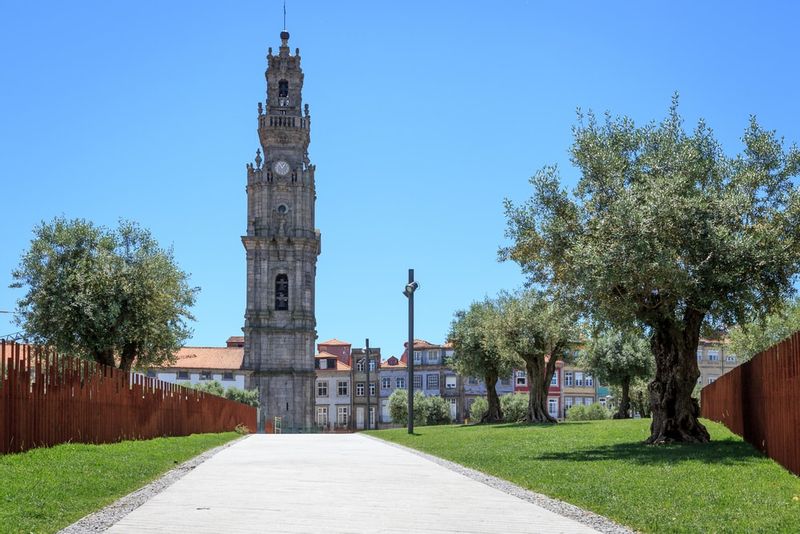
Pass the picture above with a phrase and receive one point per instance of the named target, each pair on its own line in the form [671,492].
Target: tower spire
[284,15]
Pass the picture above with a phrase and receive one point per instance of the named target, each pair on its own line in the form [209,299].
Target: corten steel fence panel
[760,401]
[47,398]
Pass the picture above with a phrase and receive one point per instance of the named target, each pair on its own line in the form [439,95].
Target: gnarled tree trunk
[105,357]
[623,412]
[539,376]
[494,414]
[675,412]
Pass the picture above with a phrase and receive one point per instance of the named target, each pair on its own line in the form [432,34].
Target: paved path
[333,483]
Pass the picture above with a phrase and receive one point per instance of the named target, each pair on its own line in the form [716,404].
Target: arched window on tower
[283,88]
[281,292]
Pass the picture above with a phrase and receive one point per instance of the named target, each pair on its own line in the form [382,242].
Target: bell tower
[282,246]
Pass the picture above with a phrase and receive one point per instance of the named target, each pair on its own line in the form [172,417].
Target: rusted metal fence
[47,399]
[760,401]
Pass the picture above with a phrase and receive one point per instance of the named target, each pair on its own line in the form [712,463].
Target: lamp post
[411,286]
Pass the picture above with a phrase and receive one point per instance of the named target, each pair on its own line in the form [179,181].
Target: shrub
[245,396]
[398,407]
[478,409]
[579,412]
[438,410]
[241,429]
[514,406]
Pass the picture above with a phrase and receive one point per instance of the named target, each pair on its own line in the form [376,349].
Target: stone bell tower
[282,247]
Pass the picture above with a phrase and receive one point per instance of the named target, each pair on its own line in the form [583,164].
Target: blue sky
[425,116]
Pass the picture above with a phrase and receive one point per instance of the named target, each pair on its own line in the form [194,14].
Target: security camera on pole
[411,286]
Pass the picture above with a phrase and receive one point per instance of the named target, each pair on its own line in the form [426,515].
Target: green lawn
[723,486]
[44,490]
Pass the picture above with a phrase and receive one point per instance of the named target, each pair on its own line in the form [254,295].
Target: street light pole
[409,293]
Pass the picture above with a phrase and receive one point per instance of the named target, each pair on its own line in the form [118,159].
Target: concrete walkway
[333,483]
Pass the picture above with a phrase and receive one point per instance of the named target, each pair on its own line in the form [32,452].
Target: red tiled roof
[387,364]
[208,358]
[235,341]
[335,342]
[340,365]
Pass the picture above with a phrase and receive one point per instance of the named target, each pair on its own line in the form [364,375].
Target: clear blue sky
[426,115]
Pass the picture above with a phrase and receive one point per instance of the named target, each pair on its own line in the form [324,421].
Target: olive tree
[538,332]
[476,351]
[113,296]
[618,358]
[667,230]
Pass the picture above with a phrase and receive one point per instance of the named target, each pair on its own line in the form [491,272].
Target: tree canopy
[749,339]
[476,351]
[114,296]
[665,230]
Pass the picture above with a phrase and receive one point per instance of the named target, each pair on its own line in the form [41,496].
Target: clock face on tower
[281,167]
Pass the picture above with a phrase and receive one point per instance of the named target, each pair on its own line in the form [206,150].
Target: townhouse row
[352,391]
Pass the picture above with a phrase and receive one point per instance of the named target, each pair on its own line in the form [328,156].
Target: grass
[722,486]
[44,490]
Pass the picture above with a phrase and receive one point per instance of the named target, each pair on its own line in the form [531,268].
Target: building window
[603,402]
[578,379]
[554,380]
[699,356]
[730,358]
[450,382]
[589,380]
[713,356]
[341,388]
[372,389]
[386,382]
[205,375]
[360,366]
[711,378]
[522,380]
[417,382]
[183,375]
[372,417]
[433,381]
[341,415]
[552,407]
[281,292]
[568,382]
[283,88]
[372,365]
[505,381]
[417,357]
[472,381]
[567,403]
[400,382]
[359,389]
[228,375]
[322,363]
[322,389]
[433,356]
[322,415]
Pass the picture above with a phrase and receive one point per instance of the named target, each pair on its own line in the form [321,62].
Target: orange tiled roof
[340,365]
[400,363]
[335,342]
[209,358]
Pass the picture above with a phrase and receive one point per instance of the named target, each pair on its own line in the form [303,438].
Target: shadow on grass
[726,452]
